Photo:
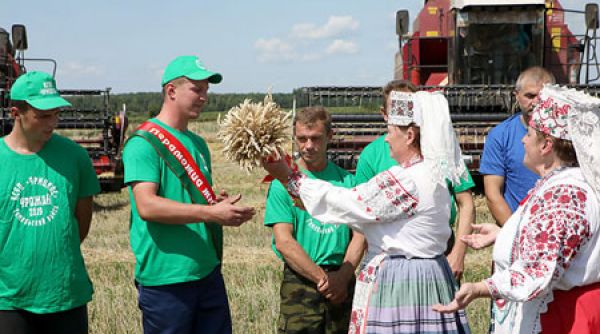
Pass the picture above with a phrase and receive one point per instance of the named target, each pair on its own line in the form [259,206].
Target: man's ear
[383,113]
[14,112]
[170,90]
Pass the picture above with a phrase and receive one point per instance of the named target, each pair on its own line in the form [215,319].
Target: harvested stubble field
[252,272]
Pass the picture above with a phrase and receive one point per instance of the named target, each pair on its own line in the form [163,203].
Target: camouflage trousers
[304,310]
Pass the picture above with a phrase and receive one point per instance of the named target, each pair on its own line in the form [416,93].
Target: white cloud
[342,46]
[274,49]
[335,26]
[78,69]
[305,42]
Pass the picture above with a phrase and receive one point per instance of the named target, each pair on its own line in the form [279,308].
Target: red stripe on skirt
[576,311]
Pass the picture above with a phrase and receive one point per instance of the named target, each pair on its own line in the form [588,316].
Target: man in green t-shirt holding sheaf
[320,258]
[176,219]
[46,188]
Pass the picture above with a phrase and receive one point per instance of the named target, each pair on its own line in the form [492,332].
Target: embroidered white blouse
[400,211]
[549,243]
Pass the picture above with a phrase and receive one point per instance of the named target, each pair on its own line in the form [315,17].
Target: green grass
[252,272]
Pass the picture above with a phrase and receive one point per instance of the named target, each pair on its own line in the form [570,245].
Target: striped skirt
[403,293]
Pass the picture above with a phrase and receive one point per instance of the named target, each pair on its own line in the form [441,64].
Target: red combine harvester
[89,122]
[472,50]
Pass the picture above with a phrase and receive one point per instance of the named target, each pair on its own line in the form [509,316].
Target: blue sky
[254,44]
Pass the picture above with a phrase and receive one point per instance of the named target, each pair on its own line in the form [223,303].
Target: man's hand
[334,287]
[222,195]
[485,235]
[463,297]
[226,213]
[456,260]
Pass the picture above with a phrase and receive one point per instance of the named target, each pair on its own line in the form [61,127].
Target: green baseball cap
[38,89]
[190,67]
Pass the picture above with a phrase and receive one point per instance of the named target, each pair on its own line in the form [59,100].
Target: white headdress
[439,145]
[584,129]
[569,114]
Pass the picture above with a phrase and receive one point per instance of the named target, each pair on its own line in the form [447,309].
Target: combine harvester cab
[473,51]
[90,122]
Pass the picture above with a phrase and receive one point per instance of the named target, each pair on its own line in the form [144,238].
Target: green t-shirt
[376,158]
[324,243]
[41,267]
[164,253]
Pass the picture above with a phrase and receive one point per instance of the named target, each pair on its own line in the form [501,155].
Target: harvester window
[494,43]
[495,53]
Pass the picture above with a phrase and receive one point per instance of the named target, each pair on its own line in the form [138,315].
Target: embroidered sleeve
[387,197]
[555,230]
[294,181]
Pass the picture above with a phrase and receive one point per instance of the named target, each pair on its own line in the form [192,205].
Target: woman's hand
[463,297]
[484,235]
[279,169]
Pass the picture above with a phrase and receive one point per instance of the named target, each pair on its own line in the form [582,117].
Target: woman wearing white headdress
[403,212]
[547,255]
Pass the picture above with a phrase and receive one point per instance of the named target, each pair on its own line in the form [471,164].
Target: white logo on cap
[200,65]
[48,89]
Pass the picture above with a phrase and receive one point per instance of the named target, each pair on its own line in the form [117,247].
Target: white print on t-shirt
[316,226]
[35,210]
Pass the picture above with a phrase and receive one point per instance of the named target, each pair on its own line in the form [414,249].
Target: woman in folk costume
[547,255]
[403,212]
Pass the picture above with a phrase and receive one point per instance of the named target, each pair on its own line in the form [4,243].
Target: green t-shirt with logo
[376,158]
[41,267]
[165,253]
[324,243]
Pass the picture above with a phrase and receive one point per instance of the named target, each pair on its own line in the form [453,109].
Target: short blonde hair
[175,82]
[536,74]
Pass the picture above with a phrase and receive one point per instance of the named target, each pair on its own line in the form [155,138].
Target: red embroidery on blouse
[556,230]
[493,289]
[396,194]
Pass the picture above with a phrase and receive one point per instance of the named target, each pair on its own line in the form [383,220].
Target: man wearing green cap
[176,219]
[46,190]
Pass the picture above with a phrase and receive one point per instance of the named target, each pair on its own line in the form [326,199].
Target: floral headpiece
[402,109]
[550,115]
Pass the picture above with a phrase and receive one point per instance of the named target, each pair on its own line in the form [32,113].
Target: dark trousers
[199,306]
[73,321]
[304,310]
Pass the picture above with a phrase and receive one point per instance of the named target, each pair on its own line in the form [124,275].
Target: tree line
[149,104]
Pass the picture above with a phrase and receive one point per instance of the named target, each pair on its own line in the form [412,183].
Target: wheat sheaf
[253,131]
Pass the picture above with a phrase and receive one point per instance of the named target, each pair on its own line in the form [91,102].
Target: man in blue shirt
[506,180]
